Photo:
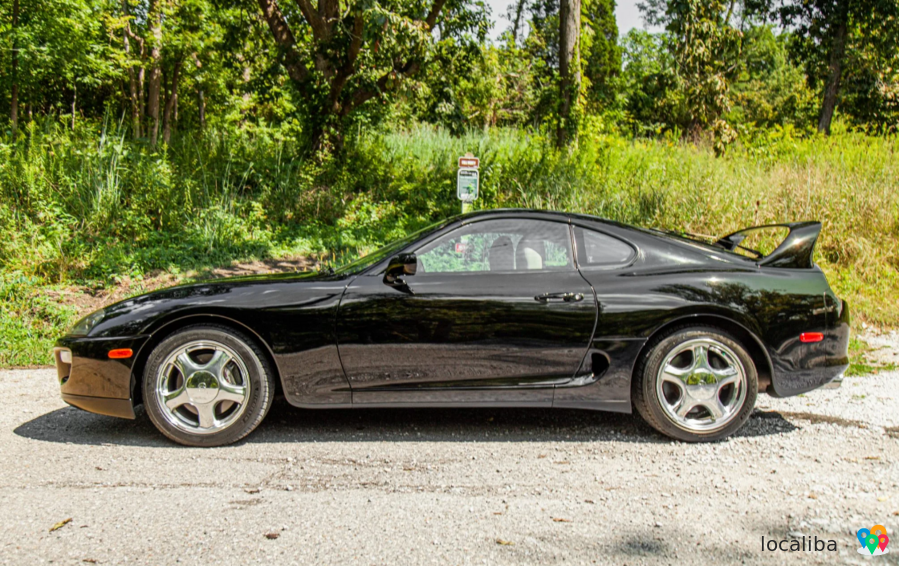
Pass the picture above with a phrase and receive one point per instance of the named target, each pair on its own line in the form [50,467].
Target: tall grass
[89,206]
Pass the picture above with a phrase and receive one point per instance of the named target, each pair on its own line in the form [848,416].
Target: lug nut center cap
[202,386]
[702,386]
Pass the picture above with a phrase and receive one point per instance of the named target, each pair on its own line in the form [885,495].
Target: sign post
[467,180]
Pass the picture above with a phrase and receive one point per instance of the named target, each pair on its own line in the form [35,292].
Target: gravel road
[449,486]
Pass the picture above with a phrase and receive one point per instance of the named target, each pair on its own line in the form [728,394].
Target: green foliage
[652,104]
[600,53]
[861,38]
[91,207]
[770,89]
[706,48]
[862,361]
[31,319]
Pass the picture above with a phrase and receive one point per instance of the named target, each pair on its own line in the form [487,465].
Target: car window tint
[599,250]
[499,246]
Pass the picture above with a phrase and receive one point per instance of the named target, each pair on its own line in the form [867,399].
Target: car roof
[657,236]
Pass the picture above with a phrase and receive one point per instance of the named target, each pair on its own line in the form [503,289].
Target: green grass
[86,208]
[861,361]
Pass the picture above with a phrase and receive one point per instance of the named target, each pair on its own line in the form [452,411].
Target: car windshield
[364,262]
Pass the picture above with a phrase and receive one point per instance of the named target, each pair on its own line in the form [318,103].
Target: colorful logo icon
[873,541]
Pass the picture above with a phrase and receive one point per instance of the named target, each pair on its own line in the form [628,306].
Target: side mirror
[399,266]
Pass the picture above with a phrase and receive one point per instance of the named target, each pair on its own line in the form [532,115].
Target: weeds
[87,207]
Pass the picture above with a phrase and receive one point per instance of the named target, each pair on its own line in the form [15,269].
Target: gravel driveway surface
[448,486]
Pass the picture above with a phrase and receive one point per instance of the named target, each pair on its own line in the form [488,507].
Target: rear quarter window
[596,250]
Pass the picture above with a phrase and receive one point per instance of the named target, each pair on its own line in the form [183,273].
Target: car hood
[135,315]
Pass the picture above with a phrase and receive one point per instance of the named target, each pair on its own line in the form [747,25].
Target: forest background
[151,141]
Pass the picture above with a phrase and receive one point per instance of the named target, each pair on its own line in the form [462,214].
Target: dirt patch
[258,267]
[86,299]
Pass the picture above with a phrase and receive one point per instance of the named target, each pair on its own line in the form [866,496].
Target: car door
[496,313]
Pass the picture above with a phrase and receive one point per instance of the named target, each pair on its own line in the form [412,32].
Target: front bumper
[122,408]
[90,380]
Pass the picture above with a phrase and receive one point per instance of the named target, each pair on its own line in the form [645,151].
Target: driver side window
[499,246]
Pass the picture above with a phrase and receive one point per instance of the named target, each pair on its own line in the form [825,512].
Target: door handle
[566,297]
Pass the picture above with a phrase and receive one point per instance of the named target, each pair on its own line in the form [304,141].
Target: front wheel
[207,386]
[696,384]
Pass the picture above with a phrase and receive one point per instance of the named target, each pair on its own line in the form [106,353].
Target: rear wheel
[696,384]
[207,386]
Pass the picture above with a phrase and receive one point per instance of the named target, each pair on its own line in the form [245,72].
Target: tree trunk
[516,24]
[155,83]
[14,97]
[132,77]
[569,67]
[832,88]
[168,114]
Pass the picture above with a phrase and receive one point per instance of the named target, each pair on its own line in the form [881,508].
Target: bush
[88,207]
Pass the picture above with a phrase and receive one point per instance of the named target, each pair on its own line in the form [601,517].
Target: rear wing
[795,251]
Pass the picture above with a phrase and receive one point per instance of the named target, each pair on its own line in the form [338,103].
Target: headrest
[500,257]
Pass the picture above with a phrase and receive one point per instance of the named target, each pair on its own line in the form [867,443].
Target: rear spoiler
[794,252]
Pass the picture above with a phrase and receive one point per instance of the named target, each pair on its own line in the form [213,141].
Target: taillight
[807,337]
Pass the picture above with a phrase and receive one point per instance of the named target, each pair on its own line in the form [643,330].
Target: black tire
[645,390]
[259,385]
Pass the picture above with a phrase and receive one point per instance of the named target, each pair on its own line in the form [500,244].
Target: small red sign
[469,162]
[460,247]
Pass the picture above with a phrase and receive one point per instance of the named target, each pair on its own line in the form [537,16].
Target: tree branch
[349,67]
[315,22]
[285,39]
[360,97]
[328,13]
[435,11]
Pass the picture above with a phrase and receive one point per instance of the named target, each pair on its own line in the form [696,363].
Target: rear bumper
[799,368]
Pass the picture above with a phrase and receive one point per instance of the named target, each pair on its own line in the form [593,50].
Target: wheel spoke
[177,398]
[716,409]
[205,414]
[700,357]
[675,374]
[216,364]
[185,365]
[685,405]
[230,392]
[726,376]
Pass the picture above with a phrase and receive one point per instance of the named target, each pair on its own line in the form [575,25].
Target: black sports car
[500,308]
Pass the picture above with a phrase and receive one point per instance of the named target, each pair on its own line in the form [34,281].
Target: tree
[770,89]
[569,69]
[339,59]
[573,47]
[706,53]
[829,32]
[59,47]
[600,52]
[652,99]
[14,96]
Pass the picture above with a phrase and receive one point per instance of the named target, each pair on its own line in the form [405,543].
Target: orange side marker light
[120,354]
[811,337]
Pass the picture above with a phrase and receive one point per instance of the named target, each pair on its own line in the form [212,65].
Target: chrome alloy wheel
[202,387]
[701,385]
